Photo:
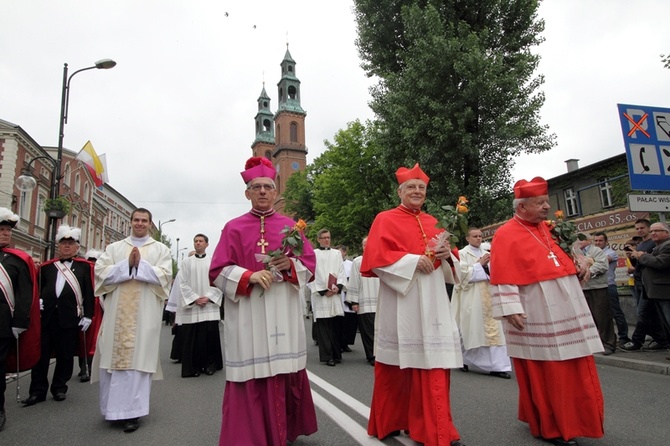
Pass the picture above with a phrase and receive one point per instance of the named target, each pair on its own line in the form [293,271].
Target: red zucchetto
[533,188]
[415,173]
[257,166]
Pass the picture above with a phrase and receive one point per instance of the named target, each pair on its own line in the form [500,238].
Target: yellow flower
[300,225]
[462,200]
[461,209]
[559,214]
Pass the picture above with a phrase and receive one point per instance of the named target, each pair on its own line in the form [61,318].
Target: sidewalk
[653,362]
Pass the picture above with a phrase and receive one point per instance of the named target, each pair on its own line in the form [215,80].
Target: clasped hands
[134,258]
[425,264]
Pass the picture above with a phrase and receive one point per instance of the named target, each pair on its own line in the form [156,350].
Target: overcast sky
[176,115]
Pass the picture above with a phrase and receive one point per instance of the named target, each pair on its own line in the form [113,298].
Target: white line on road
[350,426]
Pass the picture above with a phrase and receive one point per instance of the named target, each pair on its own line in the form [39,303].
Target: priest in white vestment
[134,274]
[328,285]
[198,314]
[364,291]
[483,338]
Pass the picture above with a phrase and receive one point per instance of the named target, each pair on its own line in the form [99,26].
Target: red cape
[29,340]
[518,258]
[395,233]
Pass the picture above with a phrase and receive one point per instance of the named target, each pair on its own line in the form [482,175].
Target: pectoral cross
[262,243]
[553,257]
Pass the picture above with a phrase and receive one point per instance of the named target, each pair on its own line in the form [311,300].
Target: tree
[349,186]
[456,93]
[665,58]
[298,195]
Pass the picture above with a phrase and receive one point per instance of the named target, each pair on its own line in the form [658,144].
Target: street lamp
[177,255]
[26,181]
[160,231]
[103,64]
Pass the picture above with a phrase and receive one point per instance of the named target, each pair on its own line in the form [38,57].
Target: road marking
[350,426]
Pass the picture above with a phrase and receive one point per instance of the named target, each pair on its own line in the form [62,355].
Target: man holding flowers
[550,333]
[416,337]
[261,266]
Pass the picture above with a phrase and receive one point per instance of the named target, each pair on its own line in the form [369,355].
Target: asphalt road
[188,411]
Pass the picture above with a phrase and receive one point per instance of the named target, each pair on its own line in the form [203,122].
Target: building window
[570,202]
[24,205]
[292,92]
[39,221]
[77,184]
[66,175]
[294,132]
[606,193]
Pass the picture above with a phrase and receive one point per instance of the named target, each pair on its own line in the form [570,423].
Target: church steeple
[289,86]
[290,154]
[265,132]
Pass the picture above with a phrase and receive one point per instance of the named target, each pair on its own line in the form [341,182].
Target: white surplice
[414,327]
[274,314]
[193,283]
[328,261]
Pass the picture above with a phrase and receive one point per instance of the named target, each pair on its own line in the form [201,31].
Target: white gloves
[41,305]
[17,331]
[84,323]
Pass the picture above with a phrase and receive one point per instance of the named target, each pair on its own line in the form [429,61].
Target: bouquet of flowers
[291,243]
[566,235]
[455,221]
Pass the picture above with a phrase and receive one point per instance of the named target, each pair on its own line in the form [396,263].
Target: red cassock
[558,399]
[410,399]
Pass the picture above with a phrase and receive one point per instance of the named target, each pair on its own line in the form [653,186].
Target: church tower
[280,137]
[264,143]
[290,153]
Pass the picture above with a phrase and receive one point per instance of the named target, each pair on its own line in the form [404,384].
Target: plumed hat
[93,254]
[8,217]
[533,188]
[65,232]
[415,173]
[257,166]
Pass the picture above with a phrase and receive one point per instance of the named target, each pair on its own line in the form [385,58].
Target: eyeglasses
[659,230]
[258,187]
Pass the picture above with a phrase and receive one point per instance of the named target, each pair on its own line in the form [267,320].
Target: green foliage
[60,204]
[298,195]
[566,235]
[456,93]
[455,221]
[665,58]
[348,185]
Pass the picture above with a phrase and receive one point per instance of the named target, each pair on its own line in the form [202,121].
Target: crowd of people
[520,306]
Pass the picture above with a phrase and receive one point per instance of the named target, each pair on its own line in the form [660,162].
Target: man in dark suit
[66,292]
[17,276]
[656,271]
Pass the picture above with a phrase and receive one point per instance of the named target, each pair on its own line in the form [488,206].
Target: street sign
[649,203]
[646,135]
